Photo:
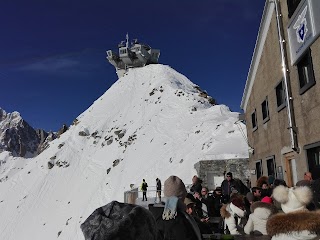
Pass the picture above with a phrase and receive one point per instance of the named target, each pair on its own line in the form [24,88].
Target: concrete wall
[272,137]
[238,167]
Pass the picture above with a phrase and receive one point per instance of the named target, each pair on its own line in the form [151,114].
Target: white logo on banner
[301,26]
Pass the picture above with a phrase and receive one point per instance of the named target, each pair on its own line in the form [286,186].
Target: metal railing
[132,195]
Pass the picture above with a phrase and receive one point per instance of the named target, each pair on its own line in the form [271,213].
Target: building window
[123,51]
[259,169]
[281,96]
[292,6]
[254,120]
[271,167]
[305,71]
[265,110]
[313,156]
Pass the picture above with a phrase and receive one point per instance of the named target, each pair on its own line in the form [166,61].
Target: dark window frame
[255,122]
[259,172]
[305,72]
[280,95]
[292,6]
[316,170]
[272,158]
[265,110]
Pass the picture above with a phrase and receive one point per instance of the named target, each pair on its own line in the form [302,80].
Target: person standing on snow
[158,189]
[144,188]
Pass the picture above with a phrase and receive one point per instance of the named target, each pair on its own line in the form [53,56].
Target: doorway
[213,181]
[291,170]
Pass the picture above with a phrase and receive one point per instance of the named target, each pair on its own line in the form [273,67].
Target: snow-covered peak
[153,122]
[8,120]
[17,136]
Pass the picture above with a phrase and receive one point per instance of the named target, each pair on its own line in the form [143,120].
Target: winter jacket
[302,225]
[258,218]
[182,227]
[158,185]
[218,200]
[144,186]
[209,202]
[234,184]
[196,187]
[229,212]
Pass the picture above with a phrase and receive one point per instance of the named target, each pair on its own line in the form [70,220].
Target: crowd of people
[270,208]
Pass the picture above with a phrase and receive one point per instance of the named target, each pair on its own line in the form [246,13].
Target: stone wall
[217,168]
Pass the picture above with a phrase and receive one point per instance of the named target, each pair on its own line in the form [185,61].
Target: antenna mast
[127,38]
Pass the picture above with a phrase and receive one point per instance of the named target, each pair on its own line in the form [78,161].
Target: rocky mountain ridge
[21,139]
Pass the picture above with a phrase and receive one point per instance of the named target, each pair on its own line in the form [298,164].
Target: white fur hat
[292,199]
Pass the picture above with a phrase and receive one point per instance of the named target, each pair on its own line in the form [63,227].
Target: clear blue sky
[52,53]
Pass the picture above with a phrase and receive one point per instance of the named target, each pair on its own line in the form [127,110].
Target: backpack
[144,186]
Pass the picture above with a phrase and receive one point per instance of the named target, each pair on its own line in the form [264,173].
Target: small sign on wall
[280,172]
[253,172]
[303,28]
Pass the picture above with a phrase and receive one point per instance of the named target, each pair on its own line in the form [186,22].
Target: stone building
[212,171]
[281,99]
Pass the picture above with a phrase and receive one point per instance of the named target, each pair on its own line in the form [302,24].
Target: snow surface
[9,119]
[165,133]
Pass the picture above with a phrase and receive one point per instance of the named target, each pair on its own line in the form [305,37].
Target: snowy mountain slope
[150,123]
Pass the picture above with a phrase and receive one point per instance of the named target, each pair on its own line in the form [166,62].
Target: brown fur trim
[269,206]
[261,180]
[295,221]
[223,211]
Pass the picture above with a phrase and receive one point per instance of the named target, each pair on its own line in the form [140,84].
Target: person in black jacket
[230,184]
[144,188]
[218,201]
[158,189]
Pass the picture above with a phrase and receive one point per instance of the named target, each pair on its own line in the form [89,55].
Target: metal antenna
[127,38]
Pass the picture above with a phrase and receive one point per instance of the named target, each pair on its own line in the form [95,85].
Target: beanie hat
[250,196]
[229,174]
[120,221]
[267,199]
[292,199]
[188,201]
[174,186]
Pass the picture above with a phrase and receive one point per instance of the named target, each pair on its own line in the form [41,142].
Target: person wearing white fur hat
[232,214]
[296,222]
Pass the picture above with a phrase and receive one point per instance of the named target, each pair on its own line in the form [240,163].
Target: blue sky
[52,61]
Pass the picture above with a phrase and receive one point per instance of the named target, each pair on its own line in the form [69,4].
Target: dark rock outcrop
[18,137]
